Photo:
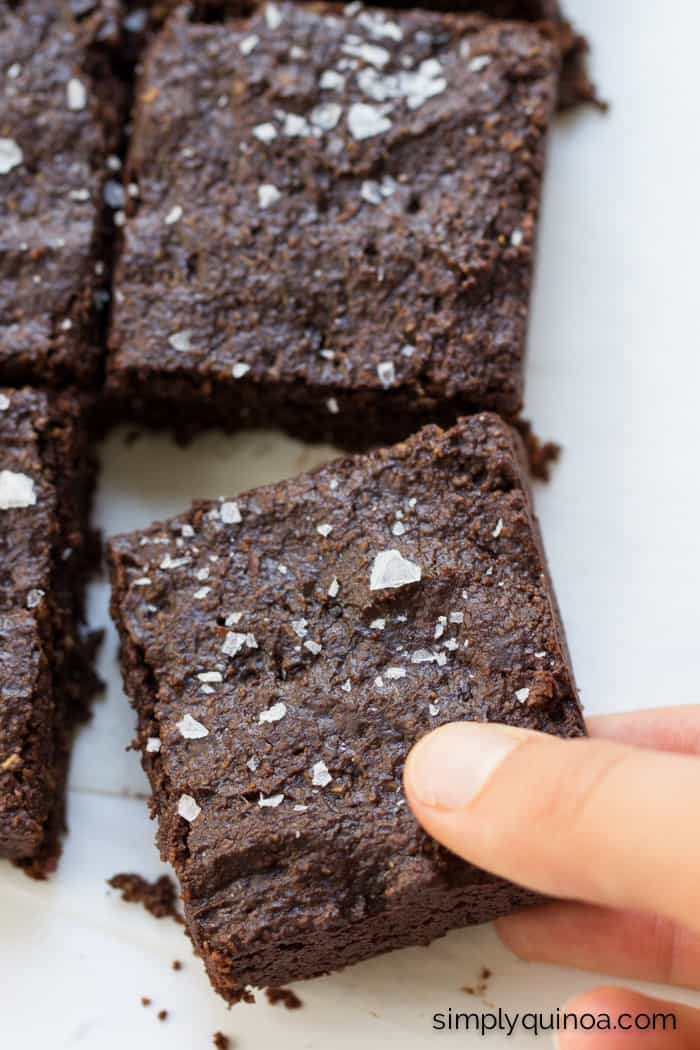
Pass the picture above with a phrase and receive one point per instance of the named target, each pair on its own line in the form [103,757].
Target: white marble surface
[614,374]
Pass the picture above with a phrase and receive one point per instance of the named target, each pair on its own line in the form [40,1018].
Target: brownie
[336,221]
[284,651]
[59,122]
[46,552]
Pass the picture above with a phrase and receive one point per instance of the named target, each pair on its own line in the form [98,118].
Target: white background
[613,373]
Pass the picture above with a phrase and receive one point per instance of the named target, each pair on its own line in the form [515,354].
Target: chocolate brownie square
[46,552]
[284,650]
[59,120]
[336,220]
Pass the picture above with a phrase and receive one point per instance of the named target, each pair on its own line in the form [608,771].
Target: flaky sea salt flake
[320,777]
[268,195]
[11,156]
[326,116]
[191,729]
[17,491]
[230,513]
[181,341]
[174,215]
[271,802]
[265,132]
[273,16]
[274,713]
[76,95]
[248,44]
[188,809]
[391,570]
[365,122]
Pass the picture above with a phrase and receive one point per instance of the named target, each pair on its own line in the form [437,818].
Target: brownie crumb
[177,965]
[284,996]
[221,1041]
[480,989]
[541,455]
[145,1001]
[162,1015]
[159,897]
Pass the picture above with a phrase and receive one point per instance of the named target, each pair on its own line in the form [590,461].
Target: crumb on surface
[285,997]
[162,1015]
[145,1001]
[177,965]
[158,897]
[541,455]
[221,1041]
[481,987]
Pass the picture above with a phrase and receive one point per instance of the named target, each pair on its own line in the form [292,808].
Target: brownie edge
[286,649]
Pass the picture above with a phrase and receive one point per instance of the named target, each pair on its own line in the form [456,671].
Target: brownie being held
[285,650]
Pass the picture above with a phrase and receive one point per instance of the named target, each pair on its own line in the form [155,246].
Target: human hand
[609,824]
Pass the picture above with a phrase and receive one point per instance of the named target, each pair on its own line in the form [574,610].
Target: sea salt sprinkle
[271,802]
[181,341]
[265,132]
[211,677]
[17,491]
[366,121]
[523,695]
[191,729]
[234,642]
[268,195]
[188,809]
[174,215]
[274,713]
[230,513]
[35,597]
[153,745]
[386,372]
[76,95]
[391,570]
[11,155]
[320,777]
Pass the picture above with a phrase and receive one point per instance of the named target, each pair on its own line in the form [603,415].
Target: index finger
[674,729]
[589,820]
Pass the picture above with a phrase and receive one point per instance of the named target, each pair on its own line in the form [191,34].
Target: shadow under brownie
[284,651]
[46,676]
[336,221]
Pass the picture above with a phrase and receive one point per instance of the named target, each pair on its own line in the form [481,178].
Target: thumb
[584,819]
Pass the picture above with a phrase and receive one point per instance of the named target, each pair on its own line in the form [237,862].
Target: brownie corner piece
[59,120]
[284,650]
[367,185]
[46,554]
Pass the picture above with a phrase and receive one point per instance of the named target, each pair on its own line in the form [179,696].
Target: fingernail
[450,767]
